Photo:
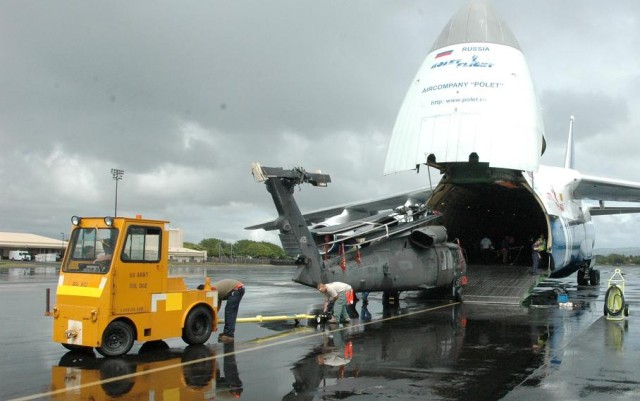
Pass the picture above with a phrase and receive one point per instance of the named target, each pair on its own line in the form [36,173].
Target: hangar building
[37,245]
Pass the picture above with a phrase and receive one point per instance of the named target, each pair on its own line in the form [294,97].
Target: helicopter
[399,249]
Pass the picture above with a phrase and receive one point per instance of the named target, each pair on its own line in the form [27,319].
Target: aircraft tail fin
[295,236]
[568,157]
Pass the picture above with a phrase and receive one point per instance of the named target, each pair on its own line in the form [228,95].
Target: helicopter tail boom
[295,236]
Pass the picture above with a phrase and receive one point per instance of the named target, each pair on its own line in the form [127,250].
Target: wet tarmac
[419,350]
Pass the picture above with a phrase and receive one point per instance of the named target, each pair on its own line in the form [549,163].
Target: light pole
[117,175]
[62,250]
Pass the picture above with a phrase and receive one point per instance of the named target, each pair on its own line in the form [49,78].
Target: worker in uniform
[486,247]
[336,292]
[231,291]
[538,247]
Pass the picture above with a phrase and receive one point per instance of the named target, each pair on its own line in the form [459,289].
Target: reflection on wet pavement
[419,350]
[186,374]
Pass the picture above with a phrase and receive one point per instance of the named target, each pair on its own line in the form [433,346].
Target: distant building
[38,245]
[177,251]
[34,244]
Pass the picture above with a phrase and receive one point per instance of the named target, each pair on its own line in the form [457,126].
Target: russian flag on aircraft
[443,54]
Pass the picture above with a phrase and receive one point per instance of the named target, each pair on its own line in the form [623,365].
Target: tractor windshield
[91,250]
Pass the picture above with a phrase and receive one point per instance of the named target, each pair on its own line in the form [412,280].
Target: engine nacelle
[426,237]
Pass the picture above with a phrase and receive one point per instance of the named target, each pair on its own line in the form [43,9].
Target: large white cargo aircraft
[472,114]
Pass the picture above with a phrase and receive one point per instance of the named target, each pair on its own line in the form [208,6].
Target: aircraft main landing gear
[391,298]
[588,276]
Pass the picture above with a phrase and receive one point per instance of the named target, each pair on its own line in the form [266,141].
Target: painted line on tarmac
[215,357]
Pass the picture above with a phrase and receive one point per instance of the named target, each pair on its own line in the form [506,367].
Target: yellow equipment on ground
[262,319]
[114,288]
[188,374]
[615,307]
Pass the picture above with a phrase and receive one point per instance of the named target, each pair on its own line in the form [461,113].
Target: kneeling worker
[231,291]
[336,292]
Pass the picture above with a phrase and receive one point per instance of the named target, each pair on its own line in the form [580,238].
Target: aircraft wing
[357,210]
[607,189]
[608,210]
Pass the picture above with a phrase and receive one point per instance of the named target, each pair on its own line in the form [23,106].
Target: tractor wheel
[198,326]
[117,339]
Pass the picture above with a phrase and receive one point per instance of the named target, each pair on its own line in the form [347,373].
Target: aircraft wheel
[117,339]
[626,310]
[390,297]
[582,278]
[614,301]
[594,276]
[198,326]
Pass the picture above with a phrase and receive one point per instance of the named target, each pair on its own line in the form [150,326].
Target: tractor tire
[117,339]
[198,326]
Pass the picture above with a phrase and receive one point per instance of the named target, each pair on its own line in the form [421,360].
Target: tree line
[253,249]
[244,248]
[617,259]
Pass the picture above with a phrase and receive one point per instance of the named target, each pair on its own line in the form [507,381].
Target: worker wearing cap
[231,291]
[336,292]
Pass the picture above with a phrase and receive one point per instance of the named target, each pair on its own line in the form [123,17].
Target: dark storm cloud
[599,113]
[185,96]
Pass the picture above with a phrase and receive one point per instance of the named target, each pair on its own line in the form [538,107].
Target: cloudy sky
[184,96]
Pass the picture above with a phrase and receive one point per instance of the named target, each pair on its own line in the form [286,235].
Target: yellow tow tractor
[114,288]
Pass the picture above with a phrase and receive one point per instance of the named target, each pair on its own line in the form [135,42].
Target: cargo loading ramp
[499,284]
